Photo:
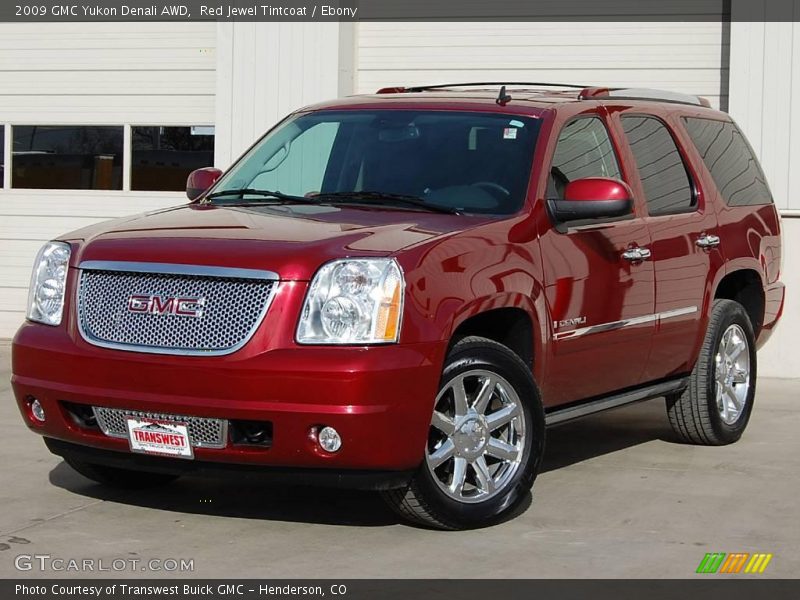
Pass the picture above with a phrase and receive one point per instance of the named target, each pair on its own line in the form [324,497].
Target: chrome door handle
[708,241]
[636,254]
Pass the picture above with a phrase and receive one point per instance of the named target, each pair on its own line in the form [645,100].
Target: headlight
[48,283]
[353,301]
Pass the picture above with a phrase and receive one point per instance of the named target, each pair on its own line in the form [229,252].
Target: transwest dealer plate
[162,438]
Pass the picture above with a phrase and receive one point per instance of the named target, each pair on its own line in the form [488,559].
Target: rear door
[600,302]
[683,230]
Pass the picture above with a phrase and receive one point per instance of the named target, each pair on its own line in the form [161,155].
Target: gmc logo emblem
[167,305]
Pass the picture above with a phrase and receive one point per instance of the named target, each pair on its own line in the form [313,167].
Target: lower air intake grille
[203,432]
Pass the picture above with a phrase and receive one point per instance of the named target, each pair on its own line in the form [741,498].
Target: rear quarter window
[730,160]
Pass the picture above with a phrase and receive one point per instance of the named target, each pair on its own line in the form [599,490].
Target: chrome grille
[203,432]
[233,307]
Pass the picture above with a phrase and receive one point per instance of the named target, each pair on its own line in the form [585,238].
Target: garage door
[689,57]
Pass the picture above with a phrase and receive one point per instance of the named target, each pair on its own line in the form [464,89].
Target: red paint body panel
[456,267]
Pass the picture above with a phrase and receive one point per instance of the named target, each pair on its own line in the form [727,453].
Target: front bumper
[363,479]
[378,398]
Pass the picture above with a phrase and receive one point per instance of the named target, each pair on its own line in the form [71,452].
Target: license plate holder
[159,438]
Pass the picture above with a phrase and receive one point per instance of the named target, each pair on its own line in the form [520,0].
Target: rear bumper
[774,296]
[379,398]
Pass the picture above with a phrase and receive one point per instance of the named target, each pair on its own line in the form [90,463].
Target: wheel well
[511,327]
[745,288]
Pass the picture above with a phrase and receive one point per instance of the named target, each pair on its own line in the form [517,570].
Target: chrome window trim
[174,269]
[177,269]
[613,325]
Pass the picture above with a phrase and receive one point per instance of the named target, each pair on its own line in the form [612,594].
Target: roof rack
[586,92]
[645,94]
[439,86]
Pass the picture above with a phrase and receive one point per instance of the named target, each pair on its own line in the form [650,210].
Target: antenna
[503,98]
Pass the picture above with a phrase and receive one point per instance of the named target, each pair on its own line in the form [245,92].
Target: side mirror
[200,180]
[592,198]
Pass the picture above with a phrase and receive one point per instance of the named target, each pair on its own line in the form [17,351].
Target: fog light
[329,439]
[37,410]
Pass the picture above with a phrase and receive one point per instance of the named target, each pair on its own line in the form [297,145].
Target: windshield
[464,161]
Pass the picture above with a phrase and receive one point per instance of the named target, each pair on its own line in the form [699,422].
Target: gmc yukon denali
[403,291]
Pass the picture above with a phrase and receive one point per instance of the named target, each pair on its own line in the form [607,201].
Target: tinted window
[67,157]
[583,150]
[663,174]
[475,162]
[730,160]
[163,157]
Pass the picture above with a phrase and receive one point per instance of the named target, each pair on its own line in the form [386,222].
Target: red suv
[402,291]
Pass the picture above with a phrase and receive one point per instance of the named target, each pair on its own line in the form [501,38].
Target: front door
[600,295]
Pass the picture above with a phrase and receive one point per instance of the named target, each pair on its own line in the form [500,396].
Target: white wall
[267,70]
[765,102]
[107,73]
[683,57]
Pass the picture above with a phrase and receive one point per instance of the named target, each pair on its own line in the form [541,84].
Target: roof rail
[645,94]
[586,92]
[439,86]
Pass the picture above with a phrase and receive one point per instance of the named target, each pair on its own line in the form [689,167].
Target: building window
[163,157]
[67,157]
[2,154]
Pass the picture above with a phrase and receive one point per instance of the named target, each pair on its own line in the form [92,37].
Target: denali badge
[573,322]
[167,305]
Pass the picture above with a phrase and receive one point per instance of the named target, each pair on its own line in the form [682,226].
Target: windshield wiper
[265,194]
[384,199]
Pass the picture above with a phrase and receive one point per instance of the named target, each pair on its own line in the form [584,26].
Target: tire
[707,413]
[495,436]
[120,478]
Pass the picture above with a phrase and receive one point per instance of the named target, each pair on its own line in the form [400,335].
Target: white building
[124,84]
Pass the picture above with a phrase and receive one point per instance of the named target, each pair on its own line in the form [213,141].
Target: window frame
[122,156]
[128,139]
[690,174]
[127,154]
[601,116]
[5,156]
[528,182]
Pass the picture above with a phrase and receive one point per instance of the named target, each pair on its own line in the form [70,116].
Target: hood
[292,240]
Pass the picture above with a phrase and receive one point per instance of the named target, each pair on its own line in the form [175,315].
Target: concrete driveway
[617,498]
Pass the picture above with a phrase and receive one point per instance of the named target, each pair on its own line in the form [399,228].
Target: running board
[589,407]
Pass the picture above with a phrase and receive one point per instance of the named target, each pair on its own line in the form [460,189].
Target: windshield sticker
[509,133]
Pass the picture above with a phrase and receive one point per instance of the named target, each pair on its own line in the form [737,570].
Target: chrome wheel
[732,374]
[477,436]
